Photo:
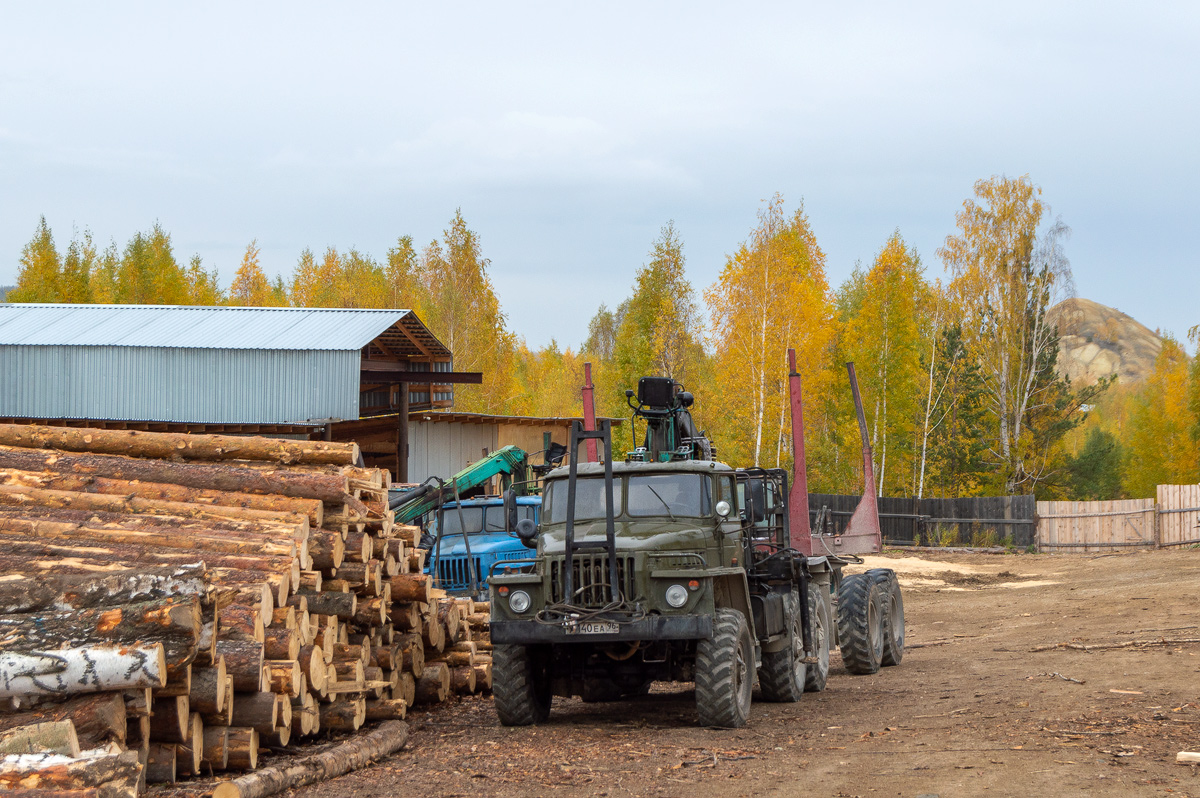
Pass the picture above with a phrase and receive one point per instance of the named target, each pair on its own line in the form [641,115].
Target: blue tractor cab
[491,540]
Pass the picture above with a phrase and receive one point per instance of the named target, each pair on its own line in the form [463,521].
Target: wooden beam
[377,372]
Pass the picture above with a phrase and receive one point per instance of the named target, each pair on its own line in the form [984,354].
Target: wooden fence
[974,521]
[1173,519]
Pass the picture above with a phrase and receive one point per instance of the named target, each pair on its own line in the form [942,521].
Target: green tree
[1096,472]
[203,287]
[250,287]
[661,330]
[1005,277]
[75,280]
[771,295]
[148,273]
[1161,448]
[464,313]
[883,337]
[954,438]
[402,274]
[40,270]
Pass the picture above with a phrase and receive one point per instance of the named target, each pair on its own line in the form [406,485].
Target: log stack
[236,594]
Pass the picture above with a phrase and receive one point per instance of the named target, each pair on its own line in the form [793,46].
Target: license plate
[593,628]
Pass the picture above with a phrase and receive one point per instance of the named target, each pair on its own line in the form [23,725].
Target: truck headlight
[518,601]
[677,596]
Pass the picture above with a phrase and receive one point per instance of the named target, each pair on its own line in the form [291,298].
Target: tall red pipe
[799,531]
[589,413]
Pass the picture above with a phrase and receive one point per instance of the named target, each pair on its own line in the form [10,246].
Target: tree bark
[172,622]
[21,496]
[344,715]
[179,445]
[166,492]
[207,694]
[411,587]
[357,752]
[97,718]
[244,663]
[256,710]
[434,685]
[326,487]
[170,721]
[160,764]
[46,737]
[86,669]
[120,773]
[81,591]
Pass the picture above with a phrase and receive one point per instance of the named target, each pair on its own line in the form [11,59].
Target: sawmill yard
[1046,675]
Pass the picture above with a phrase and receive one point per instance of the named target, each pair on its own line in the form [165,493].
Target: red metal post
[799,530]
[589,413]
[863,535]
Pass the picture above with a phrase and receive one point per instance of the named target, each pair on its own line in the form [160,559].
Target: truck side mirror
[527,531]
[756,491]
[510,509]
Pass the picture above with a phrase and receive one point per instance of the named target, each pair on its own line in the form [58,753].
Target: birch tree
[1005,275]
[771,295]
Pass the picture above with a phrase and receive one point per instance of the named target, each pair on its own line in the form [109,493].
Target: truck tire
[520,685]
[893,615]
[782,675]
[816,674]
[725,672]
[860,623]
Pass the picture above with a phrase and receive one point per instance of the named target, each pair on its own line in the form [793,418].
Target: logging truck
[672,566]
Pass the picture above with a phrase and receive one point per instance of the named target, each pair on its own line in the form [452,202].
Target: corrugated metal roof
[203,327]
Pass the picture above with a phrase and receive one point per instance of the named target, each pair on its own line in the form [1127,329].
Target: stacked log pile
[197,598]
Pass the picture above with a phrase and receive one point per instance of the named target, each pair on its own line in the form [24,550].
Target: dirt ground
[983,703]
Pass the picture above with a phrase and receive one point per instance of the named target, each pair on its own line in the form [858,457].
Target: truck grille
[453,574]
[590,578]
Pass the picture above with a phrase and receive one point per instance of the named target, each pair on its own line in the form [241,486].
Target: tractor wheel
[520,684]
[782,675]
[725,672]
[860,623]
[893,615]
[821,616]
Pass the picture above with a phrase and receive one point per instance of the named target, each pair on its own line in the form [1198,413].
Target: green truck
[671,566]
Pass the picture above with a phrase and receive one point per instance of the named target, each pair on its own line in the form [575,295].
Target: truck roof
[624,467]
[495,501]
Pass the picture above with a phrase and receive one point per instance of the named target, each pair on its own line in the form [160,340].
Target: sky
[570,133]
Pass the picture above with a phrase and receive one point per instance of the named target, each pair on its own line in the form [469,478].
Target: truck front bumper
[653,627]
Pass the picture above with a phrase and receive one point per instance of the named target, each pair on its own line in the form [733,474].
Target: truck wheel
[893,615]
[725,672]
[815,675]
[520,685]
[860,623]
[782,675]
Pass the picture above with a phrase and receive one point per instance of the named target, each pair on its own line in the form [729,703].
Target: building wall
[212,386]
[442,449]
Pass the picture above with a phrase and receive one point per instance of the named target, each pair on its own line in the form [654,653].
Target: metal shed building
[205,367]
[209,365]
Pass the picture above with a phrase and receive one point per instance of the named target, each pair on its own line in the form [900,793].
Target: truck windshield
[481,519]
[686,495]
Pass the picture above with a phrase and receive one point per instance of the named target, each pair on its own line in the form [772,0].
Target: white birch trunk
[88,669]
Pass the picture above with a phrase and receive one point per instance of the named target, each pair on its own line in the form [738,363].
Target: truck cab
[492,536]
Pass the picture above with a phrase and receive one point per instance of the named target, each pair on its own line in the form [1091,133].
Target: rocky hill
[1096,340]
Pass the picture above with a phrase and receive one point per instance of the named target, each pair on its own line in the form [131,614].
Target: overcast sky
[569,133]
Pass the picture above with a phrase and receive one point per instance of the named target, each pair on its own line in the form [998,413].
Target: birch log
[80,591]
[88,669]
